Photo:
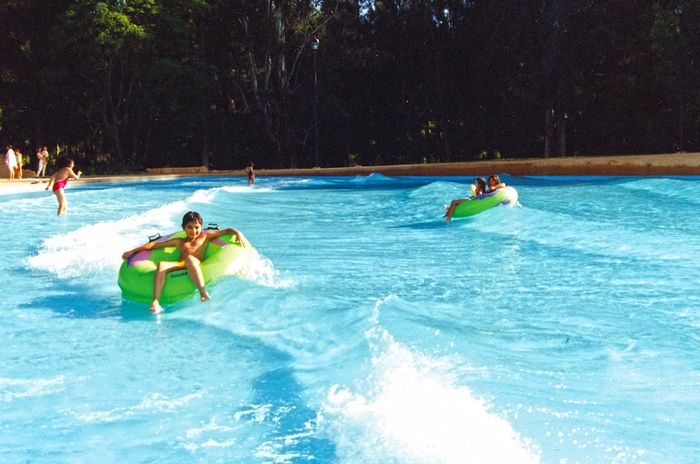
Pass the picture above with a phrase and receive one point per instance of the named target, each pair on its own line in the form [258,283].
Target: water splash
[97,248]
[11,389]
[261,271]
[409,408]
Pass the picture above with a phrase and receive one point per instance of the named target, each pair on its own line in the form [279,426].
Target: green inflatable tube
[224,256]
[479,204]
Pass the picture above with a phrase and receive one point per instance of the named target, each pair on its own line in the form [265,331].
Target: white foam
[257,413]
[276,449]
[409,408]
[24,204]
[204,437]
[217,444]
[374,177]
[11,389]
[150,404]
[261,271]
[245,189]
[204,196]
[97,248]
[212,426]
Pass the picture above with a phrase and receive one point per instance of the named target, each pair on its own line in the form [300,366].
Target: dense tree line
[126,84]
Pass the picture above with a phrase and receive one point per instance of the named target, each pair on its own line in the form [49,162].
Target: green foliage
[124,84]
[115,23]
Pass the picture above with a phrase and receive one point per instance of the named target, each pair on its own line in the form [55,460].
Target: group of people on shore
[14,161]
[478,188]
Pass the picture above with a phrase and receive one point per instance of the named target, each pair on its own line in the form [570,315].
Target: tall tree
[268,43]
[675,41]
[29,83]
[110,47]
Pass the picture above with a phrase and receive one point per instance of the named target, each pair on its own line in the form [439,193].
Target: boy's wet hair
[191,216]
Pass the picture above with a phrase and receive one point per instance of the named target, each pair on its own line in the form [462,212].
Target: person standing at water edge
[191,251]
[10,161]
[43,157]
[251,173]
[20,163]
[59,181]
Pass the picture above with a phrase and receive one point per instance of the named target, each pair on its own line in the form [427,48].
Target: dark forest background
[126,84]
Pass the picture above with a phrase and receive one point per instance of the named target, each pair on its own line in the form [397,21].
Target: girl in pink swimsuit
[59,181]
[251,173]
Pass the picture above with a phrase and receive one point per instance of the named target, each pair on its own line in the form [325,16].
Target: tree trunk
[443,126]
[549,128]
[561,134]
[205,149]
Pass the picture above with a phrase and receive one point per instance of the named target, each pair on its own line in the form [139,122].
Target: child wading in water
[59,181]
[251,173]
[191,251]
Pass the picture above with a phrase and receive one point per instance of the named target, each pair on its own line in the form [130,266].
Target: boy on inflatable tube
[191,251]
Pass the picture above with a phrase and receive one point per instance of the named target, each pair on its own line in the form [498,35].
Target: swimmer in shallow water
[59,181]
[251,173]
[191,251]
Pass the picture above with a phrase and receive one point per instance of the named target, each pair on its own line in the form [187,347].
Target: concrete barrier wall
[191,170]
[673,164]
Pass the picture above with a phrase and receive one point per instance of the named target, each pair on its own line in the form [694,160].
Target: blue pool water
[367,330]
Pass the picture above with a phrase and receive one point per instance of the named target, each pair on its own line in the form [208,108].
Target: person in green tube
[191,251]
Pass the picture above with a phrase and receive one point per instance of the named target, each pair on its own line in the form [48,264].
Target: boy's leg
[159,282]
[195,273]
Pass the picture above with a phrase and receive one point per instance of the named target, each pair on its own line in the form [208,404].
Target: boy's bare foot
[156,307]
[446,207]
[204,297]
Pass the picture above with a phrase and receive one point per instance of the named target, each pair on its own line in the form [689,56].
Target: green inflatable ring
[479,204]
[224,256]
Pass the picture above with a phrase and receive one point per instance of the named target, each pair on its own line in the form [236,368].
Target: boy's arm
[73,174]
[151,246]
[230,230]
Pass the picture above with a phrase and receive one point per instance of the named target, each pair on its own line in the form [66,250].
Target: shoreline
[673,164]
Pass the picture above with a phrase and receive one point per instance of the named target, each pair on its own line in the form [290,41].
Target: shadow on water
[438,224]
[279,389]
[424,225]
[132,311]
[74,302]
